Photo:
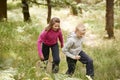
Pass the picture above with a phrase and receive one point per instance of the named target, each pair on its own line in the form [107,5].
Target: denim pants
[85,59]
[55,53]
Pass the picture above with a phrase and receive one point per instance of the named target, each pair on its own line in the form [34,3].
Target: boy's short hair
[79,27]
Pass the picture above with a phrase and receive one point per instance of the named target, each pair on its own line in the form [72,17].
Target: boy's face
[80,32]
[56,26]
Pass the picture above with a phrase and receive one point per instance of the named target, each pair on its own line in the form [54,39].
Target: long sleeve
[66,49]
[39,43]
[61,39]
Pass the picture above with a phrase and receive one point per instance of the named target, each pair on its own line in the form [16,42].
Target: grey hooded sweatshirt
[73,46]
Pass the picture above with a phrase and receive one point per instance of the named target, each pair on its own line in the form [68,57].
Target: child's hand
[61,45]
[77,57]
[41,57]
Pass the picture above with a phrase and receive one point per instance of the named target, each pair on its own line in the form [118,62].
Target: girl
[49,39]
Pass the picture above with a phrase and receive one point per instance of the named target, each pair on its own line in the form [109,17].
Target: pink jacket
[49,38]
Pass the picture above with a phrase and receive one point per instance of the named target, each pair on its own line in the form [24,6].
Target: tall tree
[78,2]
[49,10]
[110,18]
[25,9]
[3,9]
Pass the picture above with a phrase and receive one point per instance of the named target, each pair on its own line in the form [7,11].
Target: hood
[71,35]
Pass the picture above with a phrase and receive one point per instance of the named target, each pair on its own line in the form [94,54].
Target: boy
[73,51]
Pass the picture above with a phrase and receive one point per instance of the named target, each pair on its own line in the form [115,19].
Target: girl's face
[56,26]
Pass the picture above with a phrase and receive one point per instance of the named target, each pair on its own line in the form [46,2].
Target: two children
[72,49]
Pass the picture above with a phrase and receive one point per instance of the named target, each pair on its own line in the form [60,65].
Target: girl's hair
[52,22]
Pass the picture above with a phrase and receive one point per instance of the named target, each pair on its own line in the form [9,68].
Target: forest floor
[68,23]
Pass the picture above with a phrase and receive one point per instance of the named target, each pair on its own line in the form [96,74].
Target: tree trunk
[79,8]
[49,10]
[110,18]
[26,13]
[3,10]
[78,1]
[75,9]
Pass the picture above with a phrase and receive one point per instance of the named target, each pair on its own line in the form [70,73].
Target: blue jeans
[85,59]
[55,53]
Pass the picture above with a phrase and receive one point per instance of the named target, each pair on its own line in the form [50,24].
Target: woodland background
[21,22]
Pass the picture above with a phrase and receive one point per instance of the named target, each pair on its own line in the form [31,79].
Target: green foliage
[106,60]
[7,39]
[57,3]
[91,2]
[18,44]
[116,18]
[13,4]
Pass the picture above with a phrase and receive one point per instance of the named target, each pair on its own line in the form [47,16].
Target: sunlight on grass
[18,44]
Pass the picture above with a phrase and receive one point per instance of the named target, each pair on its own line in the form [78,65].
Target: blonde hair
[52,22]
[79,27]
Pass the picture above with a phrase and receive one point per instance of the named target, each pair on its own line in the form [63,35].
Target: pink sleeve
[39,44]
[61,38]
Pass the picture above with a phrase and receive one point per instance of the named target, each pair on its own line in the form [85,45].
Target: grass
[18,47]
